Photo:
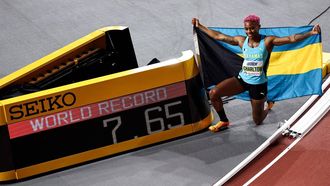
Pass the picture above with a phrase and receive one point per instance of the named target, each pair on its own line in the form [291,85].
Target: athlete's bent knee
[212,94]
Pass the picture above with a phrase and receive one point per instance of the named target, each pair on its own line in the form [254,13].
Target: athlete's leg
[258,95]
[259,112]
[228,87]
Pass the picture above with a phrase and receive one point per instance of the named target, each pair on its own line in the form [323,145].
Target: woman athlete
[252,77]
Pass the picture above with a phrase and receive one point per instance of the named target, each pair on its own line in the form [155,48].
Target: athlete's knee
[213,94]
[257,120]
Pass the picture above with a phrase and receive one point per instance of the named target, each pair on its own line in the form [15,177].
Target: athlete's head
[252,25]
[252,18]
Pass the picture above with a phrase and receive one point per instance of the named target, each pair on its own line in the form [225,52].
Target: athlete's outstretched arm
[276,41]
[236,40]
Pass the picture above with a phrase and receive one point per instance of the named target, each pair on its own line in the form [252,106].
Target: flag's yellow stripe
[296,61]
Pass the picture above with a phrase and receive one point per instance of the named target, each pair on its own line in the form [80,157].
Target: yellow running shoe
[221,125]
[270,104]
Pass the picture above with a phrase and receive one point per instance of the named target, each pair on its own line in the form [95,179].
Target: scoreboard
[83,121]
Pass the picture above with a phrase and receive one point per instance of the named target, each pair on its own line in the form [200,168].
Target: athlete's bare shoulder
[269,42]
[240,40]
[269,38]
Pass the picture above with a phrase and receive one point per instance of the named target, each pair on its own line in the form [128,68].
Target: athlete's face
[251,29]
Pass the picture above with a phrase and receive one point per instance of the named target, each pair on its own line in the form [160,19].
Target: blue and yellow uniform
[253,74]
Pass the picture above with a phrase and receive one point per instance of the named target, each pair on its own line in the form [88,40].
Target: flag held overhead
[294,70]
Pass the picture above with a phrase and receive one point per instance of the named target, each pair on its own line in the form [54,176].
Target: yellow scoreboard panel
[89,100]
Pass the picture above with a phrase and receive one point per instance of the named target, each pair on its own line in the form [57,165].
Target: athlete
[256,48]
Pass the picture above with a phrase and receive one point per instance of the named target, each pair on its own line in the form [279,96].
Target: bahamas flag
[294,70]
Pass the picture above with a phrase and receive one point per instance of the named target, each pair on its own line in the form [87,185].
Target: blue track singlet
[254,60]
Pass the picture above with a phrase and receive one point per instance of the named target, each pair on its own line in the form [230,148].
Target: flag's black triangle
[218,63]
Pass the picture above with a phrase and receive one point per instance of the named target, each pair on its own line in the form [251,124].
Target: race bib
[253,68]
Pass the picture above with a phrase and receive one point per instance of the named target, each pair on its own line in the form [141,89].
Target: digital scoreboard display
[107,108]
[100,124]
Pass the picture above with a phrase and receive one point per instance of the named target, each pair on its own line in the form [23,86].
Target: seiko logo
[42,105]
